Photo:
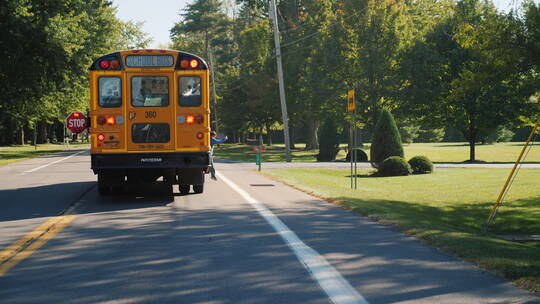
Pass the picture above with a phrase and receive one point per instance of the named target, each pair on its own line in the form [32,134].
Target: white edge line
[331,281]
[54,162]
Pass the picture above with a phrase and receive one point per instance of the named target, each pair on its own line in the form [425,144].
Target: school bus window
[190,91]
[150,133]
[150,91]
[110,92]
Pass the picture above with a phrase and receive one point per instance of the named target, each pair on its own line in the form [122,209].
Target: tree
[202,20]
[386,140]
[371,34]
[46,50]
[132,36]
[47,47]
[312,93]
[203,26]
[329,141]
[460,76]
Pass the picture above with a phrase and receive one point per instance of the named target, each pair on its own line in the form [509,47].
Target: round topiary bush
[394,166]
[361,156]
[421,165]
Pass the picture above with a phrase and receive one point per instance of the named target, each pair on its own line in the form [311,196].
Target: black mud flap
[190,176]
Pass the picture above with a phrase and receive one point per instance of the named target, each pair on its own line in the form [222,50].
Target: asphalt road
[246,239]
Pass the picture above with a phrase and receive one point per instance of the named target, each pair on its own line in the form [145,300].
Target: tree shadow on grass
[459,230]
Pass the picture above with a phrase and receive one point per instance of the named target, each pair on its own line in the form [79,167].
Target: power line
[289,50]
[330,25]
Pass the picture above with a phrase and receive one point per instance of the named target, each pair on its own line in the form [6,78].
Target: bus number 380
[150,114]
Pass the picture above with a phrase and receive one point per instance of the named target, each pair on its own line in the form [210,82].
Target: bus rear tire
[184,189]
[168,189]
[198,188]
[103,188]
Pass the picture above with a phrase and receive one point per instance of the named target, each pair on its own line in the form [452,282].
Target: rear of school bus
[149,120]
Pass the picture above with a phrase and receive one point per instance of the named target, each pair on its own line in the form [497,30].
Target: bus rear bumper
[170,160]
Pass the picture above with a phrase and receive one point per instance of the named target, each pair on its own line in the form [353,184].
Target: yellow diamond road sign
[351,104]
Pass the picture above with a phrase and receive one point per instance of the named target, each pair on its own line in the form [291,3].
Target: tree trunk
[472,140]
[472,152]
[42,132]
[268,135]
[292,138]
[20,137]
[312,128]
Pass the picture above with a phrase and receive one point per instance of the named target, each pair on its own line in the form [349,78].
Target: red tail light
[104,64]
[199,119]
[101,137]
[101,120]
[200,135]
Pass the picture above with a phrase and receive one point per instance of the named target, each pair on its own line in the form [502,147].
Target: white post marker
[336,286]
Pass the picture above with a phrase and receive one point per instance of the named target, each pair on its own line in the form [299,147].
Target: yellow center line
[15,253]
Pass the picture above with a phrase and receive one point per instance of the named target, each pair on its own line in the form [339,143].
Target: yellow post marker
[351,103]
[505,187]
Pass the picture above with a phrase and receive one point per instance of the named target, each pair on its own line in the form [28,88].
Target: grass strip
[437,152]
[447,209]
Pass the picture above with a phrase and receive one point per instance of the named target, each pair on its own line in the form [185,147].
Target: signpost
[351,107]
[259,149]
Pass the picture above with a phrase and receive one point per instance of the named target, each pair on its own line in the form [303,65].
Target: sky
[159,16]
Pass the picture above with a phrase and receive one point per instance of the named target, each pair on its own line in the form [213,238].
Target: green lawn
[437,152]
[448,209]
[274,153]
[459,152]
[11,154]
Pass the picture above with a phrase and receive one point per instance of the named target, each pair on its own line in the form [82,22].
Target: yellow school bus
[149,120]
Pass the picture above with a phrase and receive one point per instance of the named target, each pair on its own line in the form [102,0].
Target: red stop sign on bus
[76,122]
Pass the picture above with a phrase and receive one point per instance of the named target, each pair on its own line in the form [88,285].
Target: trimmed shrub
[386,140]
[361,156]
[452,134]
[430,135]
[328,141]
[421,165]
[501,134]
[394,166]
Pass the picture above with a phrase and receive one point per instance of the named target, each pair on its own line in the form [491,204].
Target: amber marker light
[194,63]
[115,64]
[190,119]
[109,120]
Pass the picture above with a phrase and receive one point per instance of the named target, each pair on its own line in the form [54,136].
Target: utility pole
[273,14]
